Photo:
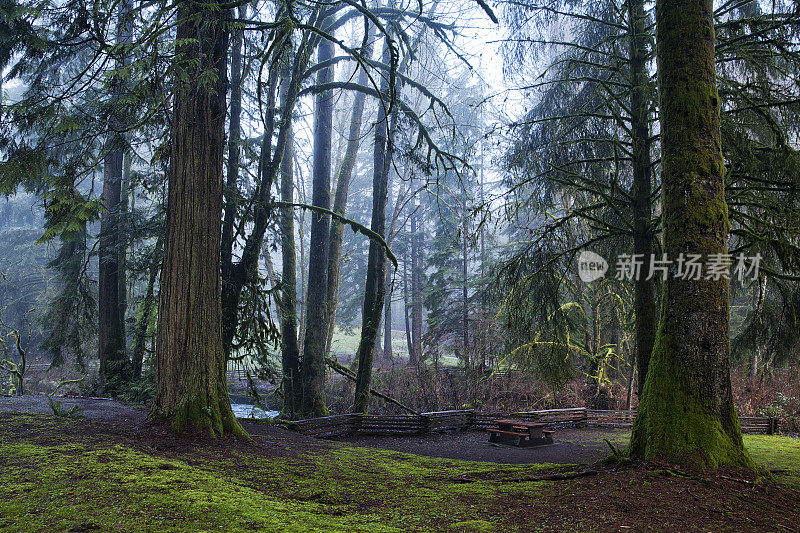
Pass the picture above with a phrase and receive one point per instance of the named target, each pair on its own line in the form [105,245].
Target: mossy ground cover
[74,475]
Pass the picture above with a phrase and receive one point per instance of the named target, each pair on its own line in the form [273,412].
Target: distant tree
[115,367]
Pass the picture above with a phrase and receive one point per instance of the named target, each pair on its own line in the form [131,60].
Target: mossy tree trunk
[290,351]
[140,335]
[312,371]
[191,391]
[686,413]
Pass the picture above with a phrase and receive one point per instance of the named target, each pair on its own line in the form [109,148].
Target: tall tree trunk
[230,193]
[686,412]
[115,368]
[344,176]
[416,288]
[313,368]
[191,390]
[290,352]
[644,289]
[123,243]
[376,264]
[465,292]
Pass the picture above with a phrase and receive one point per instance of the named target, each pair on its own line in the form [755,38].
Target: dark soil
[658,498]
[106,420]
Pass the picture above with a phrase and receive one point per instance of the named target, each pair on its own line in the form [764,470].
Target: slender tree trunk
[115,368]
[756,356]
[140,337]
[301,335]
[465,292]
[376,264]
[123,242]
[344,176]
[406,305]
[387,322]
[313,368]
[416,288]
[686,412]
[290,352]
[191,390]
[644,289]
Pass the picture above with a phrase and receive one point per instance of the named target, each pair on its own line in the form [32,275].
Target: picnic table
[520,433]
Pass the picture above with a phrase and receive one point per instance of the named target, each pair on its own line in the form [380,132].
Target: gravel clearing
[571,445]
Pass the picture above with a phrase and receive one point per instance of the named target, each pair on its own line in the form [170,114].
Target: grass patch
[774,452]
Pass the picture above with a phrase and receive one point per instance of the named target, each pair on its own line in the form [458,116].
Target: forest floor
[114,472]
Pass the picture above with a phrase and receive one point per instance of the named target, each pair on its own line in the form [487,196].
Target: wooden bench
[503,436]
[520,433]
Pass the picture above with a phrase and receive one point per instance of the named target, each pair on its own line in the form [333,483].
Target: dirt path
[571,445]
[100,409]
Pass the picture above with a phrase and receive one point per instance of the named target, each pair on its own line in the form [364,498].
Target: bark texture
[686,413]
[191,392]
[290,351]
[313,369]
[375,288]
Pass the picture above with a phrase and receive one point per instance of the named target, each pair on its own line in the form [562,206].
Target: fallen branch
[343,370]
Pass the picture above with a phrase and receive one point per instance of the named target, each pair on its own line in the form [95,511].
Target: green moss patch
[102,485]
[71,476]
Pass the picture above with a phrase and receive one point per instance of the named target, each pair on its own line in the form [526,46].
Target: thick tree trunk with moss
[115,367]
[686,413]
[191,391]
[312,372]
[645,311]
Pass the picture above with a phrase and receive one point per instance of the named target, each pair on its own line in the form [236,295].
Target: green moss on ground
[55,484]
[92,485]
[774,452]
